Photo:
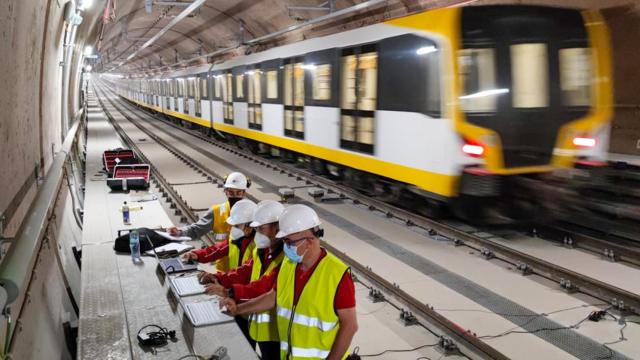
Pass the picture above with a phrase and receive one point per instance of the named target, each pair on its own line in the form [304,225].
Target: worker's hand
[190,256]
[207,278]
[216,289]
[230,304]
[173,231]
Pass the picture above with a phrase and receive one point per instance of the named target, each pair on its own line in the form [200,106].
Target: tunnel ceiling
[218,24]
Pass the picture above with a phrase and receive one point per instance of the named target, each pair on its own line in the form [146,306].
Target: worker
[235,187]
[239,246]
[257,276]
[238,249]
[314,294]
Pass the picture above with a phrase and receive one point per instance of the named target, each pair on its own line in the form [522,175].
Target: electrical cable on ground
[357,348]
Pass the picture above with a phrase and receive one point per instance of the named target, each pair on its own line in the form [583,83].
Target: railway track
[452,339]
[481,242]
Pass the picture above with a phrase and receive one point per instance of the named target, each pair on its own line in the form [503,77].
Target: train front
[534,95]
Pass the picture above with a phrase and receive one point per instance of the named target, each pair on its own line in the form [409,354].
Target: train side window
[359,83]
[239,86]
[348,87]
[298,88]
[217,86]
[227,105]
[272,84]
[255,99]
[254,91]
[530,76]
[575,76]
[410,75]
[180,88]
[204,88]
[196,95]
[294,99]
[320,81]
[477,68]
[367,81]
[288,88]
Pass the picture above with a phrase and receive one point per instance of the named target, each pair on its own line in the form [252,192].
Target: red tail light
[584,142]
[473,148]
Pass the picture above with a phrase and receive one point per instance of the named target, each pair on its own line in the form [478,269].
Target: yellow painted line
[441,184]
[445,185]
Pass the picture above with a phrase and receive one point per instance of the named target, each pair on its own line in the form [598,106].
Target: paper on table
[171,246]
[168,236]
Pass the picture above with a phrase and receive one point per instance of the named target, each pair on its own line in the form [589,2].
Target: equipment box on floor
[128,177]
[113,157]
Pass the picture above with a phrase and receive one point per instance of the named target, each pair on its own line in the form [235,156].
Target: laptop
[187,285]
[207,312]
[176,265]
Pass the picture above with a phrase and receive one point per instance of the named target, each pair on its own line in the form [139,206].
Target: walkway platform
[119,297]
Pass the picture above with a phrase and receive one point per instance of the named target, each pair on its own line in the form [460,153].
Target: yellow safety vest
[221,230]
[234,260]
[307,330]
[220,227]
[263,326]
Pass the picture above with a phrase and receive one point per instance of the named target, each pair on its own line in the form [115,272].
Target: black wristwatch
[230,293]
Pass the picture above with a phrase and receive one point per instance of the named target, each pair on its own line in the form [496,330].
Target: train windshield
[525,71]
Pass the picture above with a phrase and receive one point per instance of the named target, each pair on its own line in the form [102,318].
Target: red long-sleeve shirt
[240,279]
[220,250]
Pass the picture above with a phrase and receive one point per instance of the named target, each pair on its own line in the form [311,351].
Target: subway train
[444,109]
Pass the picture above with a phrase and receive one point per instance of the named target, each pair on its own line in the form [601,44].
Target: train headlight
[584,142]
[473,148]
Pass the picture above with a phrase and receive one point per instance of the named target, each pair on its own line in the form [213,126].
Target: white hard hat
[297,218]
[236,180]
[268,211]
[242,212]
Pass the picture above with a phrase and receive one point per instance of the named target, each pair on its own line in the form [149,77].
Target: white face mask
[236,233]
[262,241]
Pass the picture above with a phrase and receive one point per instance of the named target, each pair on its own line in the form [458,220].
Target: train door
[294,98]
[358,83]
[227,97]
[254,98]
[196,97]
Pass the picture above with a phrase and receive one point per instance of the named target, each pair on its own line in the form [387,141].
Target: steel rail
[157,175]
[568,279]
[463,339]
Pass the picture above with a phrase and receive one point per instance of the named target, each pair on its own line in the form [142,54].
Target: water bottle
[134,245]
[125,214]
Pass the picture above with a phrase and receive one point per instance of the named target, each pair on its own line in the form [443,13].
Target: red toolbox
[128,177]
[113,157]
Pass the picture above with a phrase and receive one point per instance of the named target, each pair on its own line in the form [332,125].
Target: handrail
[16,267]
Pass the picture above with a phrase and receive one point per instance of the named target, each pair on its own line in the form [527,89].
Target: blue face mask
[292,253]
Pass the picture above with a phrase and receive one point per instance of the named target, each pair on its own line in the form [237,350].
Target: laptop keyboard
[187,285]
[206,313]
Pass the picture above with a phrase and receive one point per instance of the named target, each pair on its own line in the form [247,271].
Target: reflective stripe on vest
[263,326]
[297,352]
[307,321]
[309,328]
[221,230]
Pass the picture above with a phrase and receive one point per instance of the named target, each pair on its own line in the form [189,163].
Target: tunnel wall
[32,43]
[624,23]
